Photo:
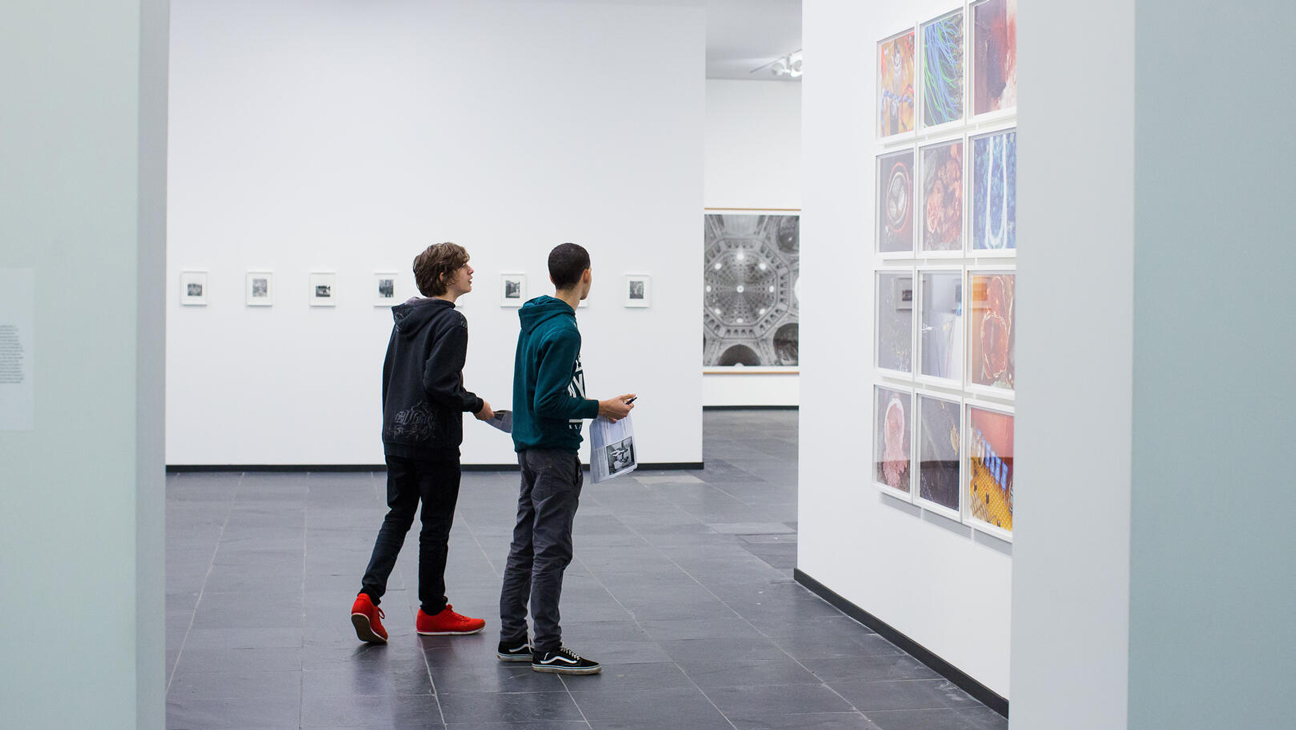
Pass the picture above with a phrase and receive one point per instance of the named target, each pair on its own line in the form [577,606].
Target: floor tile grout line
[202,589]
[306,531]
[740,616]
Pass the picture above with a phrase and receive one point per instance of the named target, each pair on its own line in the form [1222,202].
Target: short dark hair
[567,264]
[432,266]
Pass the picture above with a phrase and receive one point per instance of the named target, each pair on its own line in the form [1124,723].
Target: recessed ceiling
[745,35]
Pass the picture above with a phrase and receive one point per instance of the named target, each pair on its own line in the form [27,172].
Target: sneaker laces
[568,653]
[380,612]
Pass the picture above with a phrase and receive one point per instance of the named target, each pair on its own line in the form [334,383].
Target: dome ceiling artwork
[750,301]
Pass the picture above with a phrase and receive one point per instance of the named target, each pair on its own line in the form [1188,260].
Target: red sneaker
[448,623]
[366,618]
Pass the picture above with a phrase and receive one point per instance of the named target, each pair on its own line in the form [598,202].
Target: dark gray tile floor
[682,586]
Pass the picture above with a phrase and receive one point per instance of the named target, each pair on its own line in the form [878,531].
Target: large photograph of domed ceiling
[750,305]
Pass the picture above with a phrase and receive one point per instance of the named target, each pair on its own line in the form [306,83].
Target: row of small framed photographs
[950,327]
[938,97]
[323,291]
[259,289]
[947,454]
[636,291]
[922,191]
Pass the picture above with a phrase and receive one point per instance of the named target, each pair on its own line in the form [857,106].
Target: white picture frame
[920,75]
[885,282]
[921,439]
[385,288]
[513,289]
[638,291]
[952,339]
[259,289]
[929,148]
[881,412]
[976,454]
[323,290]
[973,318]
[193,288]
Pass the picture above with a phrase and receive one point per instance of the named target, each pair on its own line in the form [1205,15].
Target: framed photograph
[940,447]
[897,95]
[941,222]
[895,204]
[260,289]
[940,326]
[751,306]
[384,289]
[513,290]
[893,441]
[992,220]
[943,69]
[988,473]
[638,290]
[323,289]
[992,331]
[994,56]
[895,322]
[193,288]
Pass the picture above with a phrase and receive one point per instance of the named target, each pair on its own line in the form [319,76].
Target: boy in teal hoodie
[549,405]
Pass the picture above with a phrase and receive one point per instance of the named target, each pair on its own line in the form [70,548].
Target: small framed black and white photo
[193,288]
[512,290]
[638,290]
[323,289]
[260,289]
[384,289]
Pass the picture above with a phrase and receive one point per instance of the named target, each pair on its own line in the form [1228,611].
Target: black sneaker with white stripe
[514,651]
[564,661]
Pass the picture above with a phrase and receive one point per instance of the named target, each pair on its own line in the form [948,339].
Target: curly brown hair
[437,264]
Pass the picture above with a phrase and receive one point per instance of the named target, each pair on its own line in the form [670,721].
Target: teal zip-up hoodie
[549,400]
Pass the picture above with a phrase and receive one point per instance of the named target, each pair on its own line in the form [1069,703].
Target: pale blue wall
[82,201]
[1213,539]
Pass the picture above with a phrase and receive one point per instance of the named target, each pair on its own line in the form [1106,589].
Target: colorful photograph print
[895,319]
[892,442]
[994,192]
[939,443]
[896,93]
[943,70]
[895,208]
[994,56]
[941,324]
[992,334]
[942,202]
[990,468]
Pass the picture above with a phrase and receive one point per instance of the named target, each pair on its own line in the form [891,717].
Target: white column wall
[753,160]
[82,197]
[933,580]
[1074,390]
[345,137]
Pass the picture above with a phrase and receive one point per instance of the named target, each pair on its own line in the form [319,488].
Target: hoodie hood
[542,309]
[415,315]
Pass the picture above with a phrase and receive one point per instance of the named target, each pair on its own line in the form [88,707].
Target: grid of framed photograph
[945,280]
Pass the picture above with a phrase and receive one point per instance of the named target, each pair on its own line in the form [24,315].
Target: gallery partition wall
[908,320]
[316,148]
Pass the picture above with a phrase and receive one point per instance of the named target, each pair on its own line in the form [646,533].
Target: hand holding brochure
[612,449]
[503,420]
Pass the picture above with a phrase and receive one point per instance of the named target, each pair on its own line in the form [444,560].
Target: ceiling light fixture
[789,65]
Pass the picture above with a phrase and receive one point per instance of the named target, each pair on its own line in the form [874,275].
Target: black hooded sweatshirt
[423,393]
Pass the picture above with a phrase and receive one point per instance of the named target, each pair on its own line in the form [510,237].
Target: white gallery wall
[82,256]
[753,160]
[935,580]
[345,137]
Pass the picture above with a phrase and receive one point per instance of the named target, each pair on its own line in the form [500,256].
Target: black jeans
[542,546]
[436,483]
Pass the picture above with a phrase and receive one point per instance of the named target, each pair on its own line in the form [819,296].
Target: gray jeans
[542,546]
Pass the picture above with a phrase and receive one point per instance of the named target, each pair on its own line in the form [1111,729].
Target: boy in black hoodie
[548,405]
[423,405]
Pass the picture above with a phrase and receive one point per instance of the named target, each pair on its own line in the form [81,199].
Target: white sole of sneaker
[452,633]
[364,631]
[565,670]
[513,657]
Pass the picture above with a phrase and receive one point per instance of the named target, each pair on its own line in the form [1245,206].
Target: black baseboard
[984,694]
[318,468]
[751,408]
